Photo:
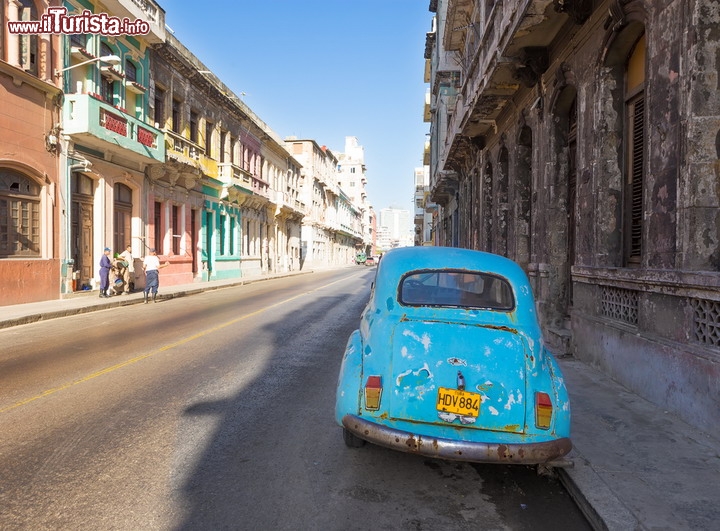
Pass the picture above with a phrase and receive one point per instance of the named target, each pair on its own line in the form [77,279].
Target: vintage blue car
[449,362]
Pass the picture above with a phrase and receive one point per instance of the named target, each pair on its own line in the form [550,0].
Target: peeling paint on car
[424,340]
[511,401]
[452,417]
[422,375]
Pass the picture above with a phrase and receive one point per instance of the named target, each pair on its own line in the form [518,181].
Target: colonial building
[31,190]
[332,228]
[580,138]
[108,140]
[227,201]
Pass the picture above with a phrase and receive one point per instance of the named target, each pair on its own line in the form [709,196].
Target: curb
[127,301]
[602,508]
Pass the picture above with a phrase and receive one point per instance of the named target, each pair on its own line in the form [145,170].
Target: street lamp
[110,59]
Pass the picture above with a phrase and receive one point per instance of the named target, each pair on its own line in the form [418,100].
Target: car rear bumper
[531,453]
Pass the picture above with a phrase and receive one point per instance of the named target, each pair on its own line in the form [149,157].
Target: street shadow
[264,435]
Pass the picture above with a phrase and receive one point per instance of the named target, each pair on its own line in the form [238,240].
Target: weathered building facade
[108,140]
[30,184]
[228,194]
[580,138]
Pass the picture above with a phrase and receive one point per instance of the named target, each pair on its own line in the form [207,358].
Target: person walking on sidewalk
[151,266]
[105,265]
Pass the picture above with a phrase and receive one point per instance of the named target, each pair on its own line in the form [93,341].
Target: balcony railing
[92,121]
[232,174]
[181,146]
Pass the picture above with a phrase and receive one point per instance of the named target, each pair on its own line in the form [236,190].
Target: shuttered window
[635,154]
[635,178]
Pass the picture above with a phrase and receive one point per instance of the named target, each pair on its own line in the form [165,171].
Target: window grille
[620,304]
[706,322]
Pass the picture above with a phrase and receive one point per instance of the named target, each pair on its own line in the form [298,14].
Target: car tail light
[543,410]
[373,390]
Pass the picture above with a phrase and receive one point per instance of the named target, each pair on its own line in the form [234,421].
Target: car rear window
[461,289]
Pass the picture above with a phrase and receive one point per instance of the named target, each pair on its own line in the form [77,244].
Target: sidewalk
[89,301]
[636,467]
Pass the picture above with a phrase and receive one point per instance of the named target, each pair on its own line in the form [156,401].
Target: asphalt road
[215,411]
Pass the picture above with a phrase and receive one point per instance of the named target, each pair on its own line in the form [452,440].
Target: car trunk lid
[459,374]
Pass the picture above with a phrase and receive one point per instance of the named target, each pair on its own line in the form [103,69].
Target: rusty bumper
[479,452]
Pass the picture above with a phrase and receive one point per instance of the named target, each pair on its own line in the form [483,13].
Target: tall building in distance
[352,180]
[399,231]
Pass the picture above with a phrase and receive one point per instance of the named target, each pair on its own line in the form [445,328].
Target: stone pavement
[636,467]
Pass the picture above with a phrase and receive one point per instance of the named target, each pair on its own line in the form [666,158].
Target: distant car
[370,261]
[360,258]
[449,362]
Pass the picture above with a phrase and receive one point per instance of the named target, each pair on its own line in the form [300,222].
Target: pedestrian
[105,265]
[151,266]
[129,271]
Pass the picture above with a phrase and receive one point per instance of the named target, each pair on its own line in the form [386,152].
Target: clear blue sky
[324,70]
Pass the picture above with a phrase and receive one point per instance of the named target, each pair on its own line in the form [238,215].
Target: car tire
[352,440]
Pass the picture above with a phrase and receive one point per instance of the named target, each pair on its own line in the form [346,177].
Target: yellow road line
[161,349]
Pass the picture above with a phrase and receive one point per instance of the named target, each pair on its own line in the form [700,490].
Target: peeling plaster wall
[661,351]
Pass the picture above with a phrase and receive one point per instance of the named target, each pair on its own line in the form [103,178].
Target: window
[123,217]
[223,141]
[107,83]
[232,236]
[175,230]
[28,43]
[176,116]
[635,153]
[19,215]
[78,40]
[194,126]
[223,235]
[130,70]
[208,138]
[107,89]
[2,33]
[159,107]
[461,289]
[157,220]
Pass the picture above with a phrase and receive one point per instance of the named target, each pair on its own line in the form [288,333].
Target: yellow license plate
[458,402]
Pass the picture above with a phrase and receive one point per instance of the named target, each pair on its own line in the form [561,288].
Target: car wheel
[351,440]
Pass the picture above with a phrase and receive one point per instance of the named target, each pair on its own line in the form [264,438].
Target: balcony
[183,150]
[235,178]
[98,125]
[501,54]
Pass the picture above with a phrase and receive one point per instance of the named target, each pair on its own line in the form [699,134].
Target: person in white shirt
[151,266]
